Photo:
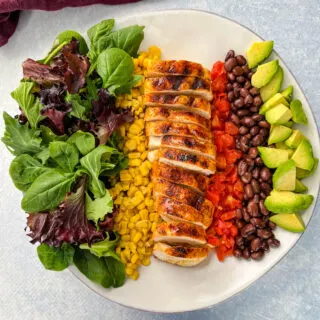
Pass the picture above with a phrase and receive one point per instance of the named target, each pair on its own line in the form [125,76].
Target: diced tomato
[231,128]
[221,161]
[213,240]
[228,141]
[238,190]
[219,84]
[222,105]
[232,175]
[217,70]
[221,252]
[231,203]
[213,196]
[233,231]
[232,156]
[228,215]
[217,124]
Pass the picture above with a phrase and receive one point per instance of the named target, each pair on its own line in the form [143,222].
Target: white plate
[205,38]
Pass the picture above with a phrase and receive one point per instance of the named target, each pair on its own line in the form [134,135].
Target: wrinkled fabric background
[289,291]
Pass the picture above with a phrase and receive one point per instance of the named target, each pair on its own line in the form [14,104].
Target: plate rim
[250,283]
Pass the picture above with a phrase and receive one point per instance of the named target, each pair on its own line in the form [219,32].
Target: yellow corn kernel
[118,201]
[141,250]
[148,202]
[134,258]
[140,244]
[125,237]
[125,186]
[154,226]
[130,225]
[142,224]
[146,261]
[137,237]
[141,206]
[138,181]
[122,131]
[133,189]
[118,251]
[141,147]
[140,123]
[132,247]
[123,257]
[125,175]
[134,162]
[144,214]
[153,216]
[149,243]
[134,155]
[134,128]
[131,144]
[135,275]
[135,218]
[129,271]
[127,254]
[144,155]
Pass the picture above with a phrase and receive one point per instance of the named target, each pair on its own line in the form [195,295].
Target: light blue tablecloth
[290,291]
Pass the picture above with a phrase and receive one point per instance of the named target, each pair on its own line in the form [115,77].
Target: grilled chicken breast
[180,255]
[196,105]
[184,159]
[165,114]
[176,68]
[172,210]
[179,85]
[195,181]
[180,233]
[165,128]
[191,145]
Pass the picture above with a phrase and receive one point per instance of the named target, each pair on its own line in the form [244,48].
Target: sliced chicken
[176,68]
[165,114]
[195,181]
[192,104]
[180,255]
[179,85]
[180,233]
[166,128]
[192,145]
[172,210]
[183,159]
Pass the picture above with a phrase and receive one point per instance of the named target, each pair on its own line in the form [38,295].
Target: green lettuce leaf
[84,141]
[80,107]
[98,208]
[65,154]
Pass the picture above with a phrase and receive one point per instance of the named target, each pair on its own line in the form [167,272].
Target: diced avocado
[298,115]
[279,133]
[258,52]
[288,124]
[272,102]
[264,73]
[303,156]
[279,114]
[289,221]
[287,201]
[284,178]
[301,174]
[273,87]
[281,145]
[288,93]
[273,157]
[294,140]
[300,187]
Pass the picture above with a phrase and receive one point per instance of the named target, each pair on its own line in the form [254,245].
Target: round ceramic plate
[204,38]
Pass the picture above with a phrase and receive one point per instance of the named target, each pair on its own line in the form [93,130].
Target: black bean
[272,225]
[245,214]
[239,224]
[248,136]
[264,233]
[243,112]
[257,255]
[229,55]
[247,121]
[230,96]
[248,229]
[253,152]
[255,244]
[244,144]
[263,208]
[258,223]
[265,187]
[237,71]
[236,92]
[256,198]
[230,64]
[241,60]
[240,79]
[255,186]
[243,130]
[254,130]
[229,87]
[233,107]
[249,161]
[259,162]
[246,70]
[249,76]
[265,173]
[257,117]
[236,85]
[265,132]
[254,109]
[237,253]
[231,77]
[250,238]
[243,92]
[274,243]
[263,195]
[242,167]
[257,140]
[248,191]
[239,241]
[234,118]
[264,124]
[246,253]
[265,246]
[246,177]
[253,209]
[239,103]
[247,84]
[256,173]
[254,91]
[248,100]
[257,101]
[238,214]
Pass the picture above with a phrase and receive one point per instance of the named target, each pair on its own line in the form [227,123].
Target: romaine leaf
[24,169]
[20,139]
[56,259]
[98,208]
[117,271]
[80,107]
[84,141]
[47,191]
[65,154]
[43,155]
[48,136]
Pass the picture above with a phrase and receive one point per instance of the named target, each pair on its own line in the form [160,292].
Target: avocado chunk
[287,201]
[294,140]
[300,187]
[272,157]
[298,115]
[279,114]
[258,52]
[290,221]
[264,73]
[282,145]
[273,87]
[303,156]
[289,124]
[279,133]
[272,102]
[284,178]
[288,93]
[301,174]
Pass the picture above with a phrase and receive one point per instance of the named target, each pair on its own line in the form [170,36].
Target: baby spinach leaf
[29,104]
[24,169]
[98,208]
[48,135]
[47,191]
[56,259]
[80,107]
[92,88]
[43,155]
[65,154]
[117,271]
[84,141]
[20,139]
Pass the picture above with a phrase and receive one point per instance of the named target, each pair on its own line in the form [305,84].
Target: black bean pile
[256,231]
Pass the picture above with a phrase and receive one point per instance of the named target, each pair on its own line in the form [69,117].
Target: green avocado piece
[294,140]
[281,145]
[303,156]
[273,87]
[298,115]
[288,93]
[289,124]
[272,102]
[278,133]
[301,173]
[300,187]
[290,221]
[273,157]
[287,201]
[284,178]
[279,114]
[258,52]
[264,73]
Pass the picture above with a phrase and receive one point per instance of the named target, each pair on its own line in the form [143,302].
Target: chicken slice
[183,159]
[192,104]
[183,256]
[166,128]
[179,85]
[195,181]
[172,210]
[176,68]
[180,233]
[183,143]
[165,114]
